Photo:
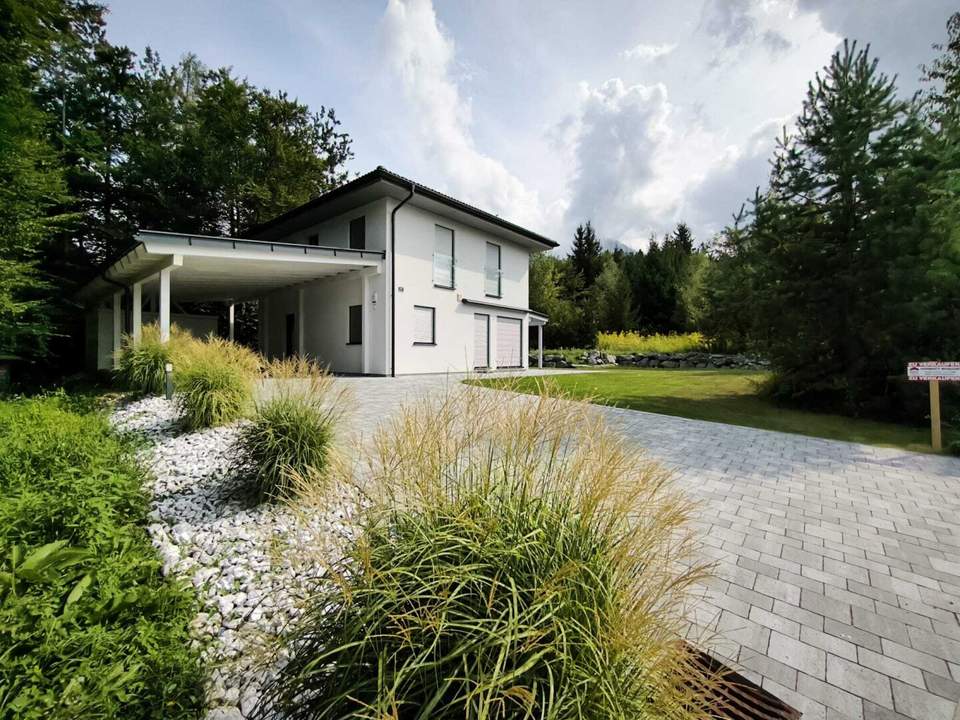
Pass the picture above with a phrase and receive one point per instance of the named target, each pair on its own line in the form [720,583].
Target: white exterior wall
[326,302]
[454,351]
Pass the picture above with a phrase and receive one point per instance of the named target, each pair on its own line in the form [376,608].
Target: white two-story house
[381,276]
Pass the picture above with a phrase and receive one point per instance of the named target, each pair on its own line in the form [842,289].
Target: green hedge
[89,628]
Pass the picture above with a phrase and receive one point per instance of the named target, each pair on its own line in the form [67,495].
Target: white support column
[137,312]
[492,342]
[165,305]
[117,326]
[231,320]
[265,327]
[365,323]
[300,323]
[540,346]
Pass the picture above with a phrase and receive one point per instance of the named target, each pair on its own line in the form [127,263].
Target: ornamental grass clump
[292,429]
[515,559]
[140,367]
[214,383]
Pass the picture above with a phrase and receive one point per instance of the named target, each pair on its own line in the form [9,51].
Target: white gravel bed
[241,557]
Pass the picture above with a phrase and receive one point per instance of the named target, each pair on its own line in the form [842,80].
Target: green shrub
[516,561]
[632,342]
[214,382]
[88,626]
[290,433]
[141,367]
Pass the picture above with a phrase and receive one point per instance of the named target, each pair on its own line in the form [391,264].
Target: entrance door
[289,335]
[481,340]
[509,342]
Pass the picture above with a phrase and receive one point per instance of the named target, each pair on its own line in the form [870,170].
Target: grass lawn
[727,396]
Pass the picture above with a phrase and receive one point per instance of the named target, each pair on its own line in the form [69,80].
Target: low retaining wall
[658,360]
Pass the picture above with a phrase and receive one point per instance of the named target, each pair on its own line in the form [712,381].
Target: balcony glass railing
[492,278]
[443,270]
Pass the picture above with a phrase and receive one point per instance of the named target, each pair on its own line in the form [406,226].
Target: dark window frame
[350,325]
[453,257]
[360,222]
[433,325]
[499,270]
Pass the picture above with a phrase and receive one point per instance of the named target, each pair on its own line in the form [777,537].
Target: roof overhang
[222,268]
[381,183]
[534,317]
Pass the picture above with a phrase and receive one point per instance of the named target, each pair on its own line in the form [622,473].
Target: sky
[635,115]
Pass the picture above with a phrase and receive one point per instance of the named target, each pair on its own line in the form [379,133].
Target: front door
[481,340]
[290,335]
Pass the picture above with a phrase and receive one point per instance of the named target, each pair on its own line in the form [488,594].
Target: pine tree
[831,233]
[585,255]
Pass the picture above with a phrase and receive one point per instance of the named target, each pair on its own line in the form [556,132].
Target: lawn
[727,396]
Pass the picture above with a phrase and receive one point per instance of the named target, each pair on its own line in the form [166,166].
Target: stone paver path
[837,565]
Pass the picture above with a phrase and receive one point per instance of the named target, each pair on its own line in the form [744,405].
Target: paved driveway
[838,565]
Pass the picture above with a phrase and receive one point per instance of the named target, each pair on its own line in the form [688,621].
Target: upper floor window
[358,233]
[492,272]
[443,254]
[313,239]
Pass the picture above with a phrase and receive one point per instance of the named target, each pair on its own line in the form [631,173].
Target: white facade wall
[326,302]
[454,349]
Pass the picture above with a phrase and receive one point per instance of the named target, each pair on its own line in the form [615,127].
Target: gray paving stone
[805,658]
[859,680]
[828,607]
[847,543]
[920,704]
[830,695]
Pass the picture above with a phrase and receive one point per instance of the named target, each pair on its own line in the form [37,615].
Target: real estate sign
[927,371]
[934,373]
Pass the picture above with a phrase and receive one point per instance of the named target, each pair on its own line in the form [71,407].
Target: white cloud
[638,161]
[648,53]
[423,57]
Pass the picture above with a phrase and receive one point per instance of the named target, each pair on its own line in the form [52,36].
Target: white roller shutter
[481,340]
[509,333]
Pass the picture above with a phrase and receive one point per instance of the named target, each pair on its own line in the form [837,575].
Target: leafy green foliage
[31,182]
[289,436]
[89,627]
[510,565]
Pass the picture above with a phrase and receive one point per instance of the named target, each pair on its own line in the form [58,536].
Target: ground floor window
[424,325]
[481,340]
[355,335]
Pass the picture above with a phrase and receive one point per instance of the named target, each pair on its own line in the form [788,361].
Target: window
[313,239]
[424,325]
[443,257]
[492,272]
[356,325]
[358,233]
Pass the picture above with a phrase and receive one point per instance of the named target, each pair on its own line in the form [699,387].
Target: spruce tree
[585,255]
[833,234]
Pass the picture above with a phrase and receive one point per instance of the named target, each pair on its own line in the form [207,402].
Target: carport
[166,268]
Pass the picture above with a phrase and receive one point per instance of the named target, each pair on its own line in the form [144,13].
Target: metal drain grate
[739,699]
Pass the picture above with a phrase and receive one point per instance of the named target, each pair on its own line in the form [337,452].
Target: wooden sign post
[934,373]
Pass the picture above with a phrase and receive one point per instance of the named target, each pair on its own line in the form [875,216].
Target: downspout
[393,281]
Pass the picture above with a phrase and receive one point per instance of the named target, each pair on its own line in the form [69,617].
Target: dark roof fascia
[382,174]
[481,303]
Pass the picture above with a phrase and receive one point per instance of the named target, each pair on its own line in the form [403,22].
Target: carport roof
[221,268]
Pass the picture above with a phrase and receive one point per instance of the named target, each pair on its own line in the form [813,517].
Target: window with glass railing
[492,273]
[443,257]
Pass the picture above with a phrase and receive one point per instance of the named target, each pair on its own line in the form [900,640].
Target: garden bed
[239,555]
